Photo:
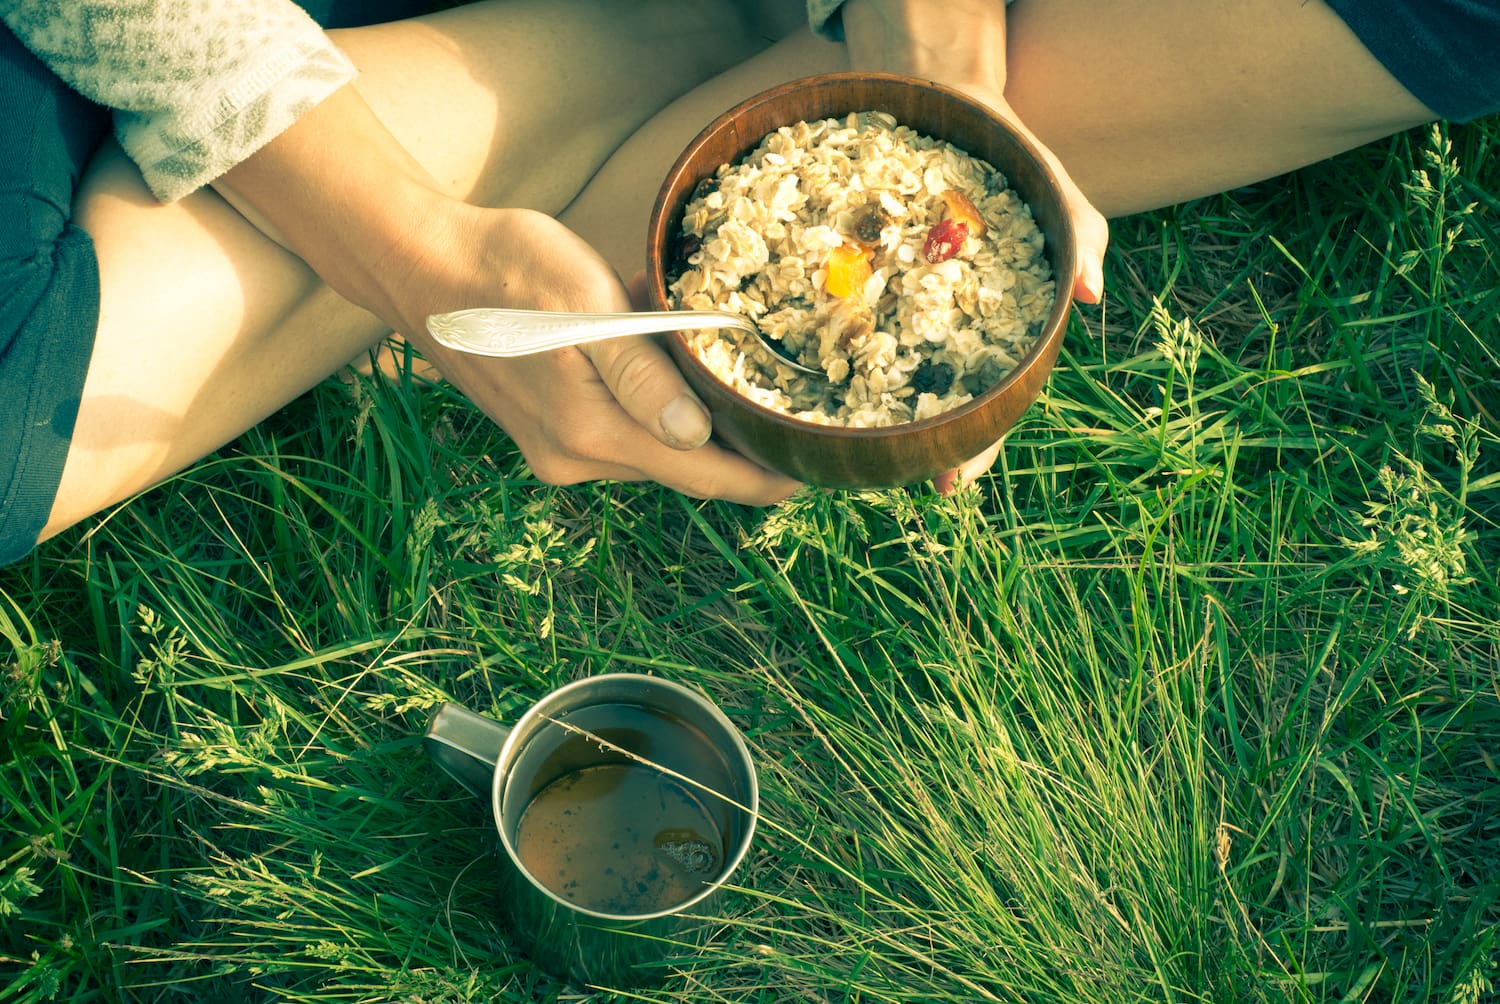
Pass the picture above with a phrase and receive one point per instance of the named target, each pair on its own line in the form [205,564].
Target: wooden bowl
[837,457]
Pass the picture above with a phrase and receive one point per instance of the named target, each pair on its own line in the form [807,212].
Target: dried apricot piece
[848,268]
[961,208]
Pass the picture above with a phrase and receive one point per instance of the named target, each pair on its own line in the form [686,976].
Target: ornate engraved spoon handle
[496,331]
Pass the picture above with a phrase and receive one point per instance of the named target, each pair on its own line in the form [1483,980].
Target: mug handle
[466,745]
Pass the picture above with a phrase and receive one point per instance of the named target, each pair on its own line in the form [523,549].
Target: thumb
[643,379]
[1090,228]
[1091,231]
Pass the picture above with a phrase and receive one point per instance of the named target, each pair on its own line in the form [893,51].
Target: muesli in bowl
[909,272]
[803,442]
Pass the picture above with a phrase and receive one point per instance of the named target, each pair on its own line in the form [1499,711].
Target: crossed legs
[207,326]
[1145,104]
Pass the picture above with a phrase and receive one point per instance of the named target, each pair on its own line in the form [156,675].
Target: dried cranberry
[687,246]
[944,240]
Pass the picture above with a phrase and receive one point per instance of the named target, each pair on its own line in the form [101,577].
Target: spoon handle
[497,331]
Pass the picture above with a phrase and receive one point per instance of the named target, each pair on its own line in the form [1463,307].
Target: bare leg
[613,212]
[1145,104]
[1149,105]
[207,327]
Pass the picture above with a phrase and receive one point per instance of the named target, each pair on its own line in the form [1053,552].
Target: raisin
[869,221]
[944,240]
[932,378]
[686,245]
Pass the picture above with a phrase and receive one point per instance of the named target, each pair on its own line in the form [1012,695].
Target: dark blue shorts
[49,286]
[49,275]
[1445,52]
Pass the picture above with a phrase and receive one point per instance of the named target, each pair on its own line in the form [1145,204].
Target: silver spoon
[499,331]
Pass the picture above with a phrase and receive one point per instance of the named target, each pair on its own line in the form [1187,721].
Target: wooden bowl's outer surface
[896,455]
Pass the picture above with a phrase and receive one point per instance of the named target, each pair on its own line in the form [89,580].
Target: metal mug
[616,722]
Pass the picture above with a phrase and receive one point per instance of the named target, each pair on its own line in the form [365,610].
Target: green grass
[1193,699]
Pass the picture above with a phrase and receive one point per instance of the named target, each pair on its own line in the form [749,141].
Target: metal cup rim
[559,696]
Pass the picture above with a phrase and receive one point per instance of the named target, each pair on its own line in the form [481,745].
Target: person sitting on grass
[286,192]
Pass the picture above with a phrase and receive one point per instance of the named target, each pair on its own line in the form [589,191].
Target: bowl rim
[1052,327]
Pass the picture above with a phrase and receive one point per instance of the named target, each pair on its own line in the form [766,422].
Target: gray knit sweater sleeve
[196,85]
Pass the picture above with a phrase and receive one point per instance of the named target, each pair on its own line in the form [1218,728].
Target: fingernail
[1093,279]
[685,423]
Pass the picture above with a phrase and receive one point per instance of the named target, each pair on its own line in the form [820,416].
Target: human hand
[961,44]
[611,410]
[381,232]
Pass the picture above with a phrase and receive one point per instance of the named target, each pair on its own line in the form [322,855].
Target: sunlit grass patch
[1193,698]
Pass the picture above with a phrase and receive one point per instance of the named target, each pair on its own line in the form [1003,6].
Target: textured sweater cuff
[179,153]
